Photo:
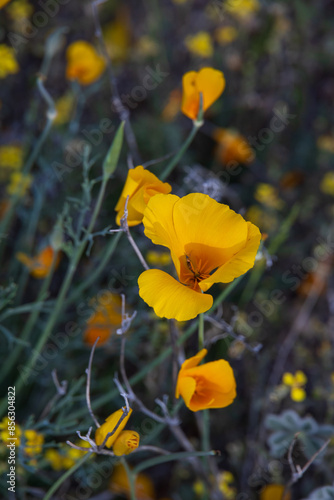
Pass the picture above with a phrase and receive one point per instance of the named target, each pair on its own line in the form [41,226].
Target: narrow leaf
[111,160]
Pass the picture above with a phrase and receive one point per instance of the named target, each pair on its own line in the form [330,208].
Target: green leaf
[325,493]
[111,160]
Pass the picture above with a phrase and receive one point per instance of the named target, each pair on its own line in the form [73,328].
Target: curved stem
[200,331]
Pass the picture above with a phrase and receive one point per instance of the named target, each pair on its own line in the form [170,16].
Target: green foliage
[287,425]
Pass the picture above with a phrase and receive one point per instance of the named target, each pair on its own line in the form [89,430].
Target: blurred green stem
[131,478]
[67,474]
[151,462]
[174,161]
[200,331]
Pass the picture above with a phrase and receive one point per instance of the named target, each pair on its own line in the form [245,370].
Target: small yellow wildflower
[3,3]
[117,36]
[84,63]
[268,196]
[40,265]
[326,143]
[173,105]
[146,46]
[64,108]
[327,183]
[11,158]
[226,35]
[200,44]
[158,258]
[8,426]
[262,218]
[296,382]
[8,62]
[199,488]
[242,9]
[33,442]
[65,457]
[225,481]
[19,10]
[19,184]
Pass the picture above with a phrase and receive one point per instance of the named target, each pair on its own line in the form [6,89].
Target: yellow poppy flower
[209,243]
[232,146]
[33,442]
[109,426]
[8,62]
[274,492]
[126,443]
[106,318]
[208,81]
[84,63]
[211,385]
[40,265]
[119,484]
[139,186]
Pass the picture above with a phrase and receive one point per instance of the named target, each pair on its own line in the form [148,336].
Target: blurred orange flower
[84,63]
[3,3]
[139,186]
[119,484]
[232,146]
[110,425]
[106,318]
[274,492]
[209,243]
[40,265]
[209,82]
[211,385]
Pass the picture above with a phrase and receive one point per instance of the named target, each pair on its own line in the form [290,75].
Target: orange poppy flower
[40,265]
[211,385]
[106,318]
[274,492]
[209,82]
[232,146]
[84,63]
[139,186]
[126,443]
[119,484]
[209,243]
[109,426]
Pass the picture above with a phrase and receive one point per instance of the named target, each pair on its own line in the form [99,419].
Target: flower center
[192,273]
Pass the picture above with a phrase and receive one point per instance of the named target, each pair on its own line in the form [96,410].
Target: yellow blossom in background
[296,383]
[126,443]
[34,441]
[117,36]
[65,457]
[5,433]
[140,186]
[40,265]
[105,320]
[19,10]
[19,184]
[64,108]
[173,105]
[225,484]
[84,63]
[211,385]
[3,3]
[180,2]
[262,218]
[11,158]
[110,425]
[326,143]
[209,82]
[54,458]
[232,147]
[158,258]
[200,44]
[209,243]
[241,9]
[226,35]
[145,47]
[327,183]
[268,196]
[274,492]
[119,484]
[8,62]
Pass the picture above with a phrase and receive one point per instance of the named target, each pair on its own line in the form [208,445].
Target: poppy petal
[169,298]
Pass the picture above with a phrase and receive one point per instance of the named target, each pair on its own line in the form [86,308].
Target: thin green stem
[151,462]
[131,477]
[97,271]
[169,168]
[11,360]
[200,331]
[67,474]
